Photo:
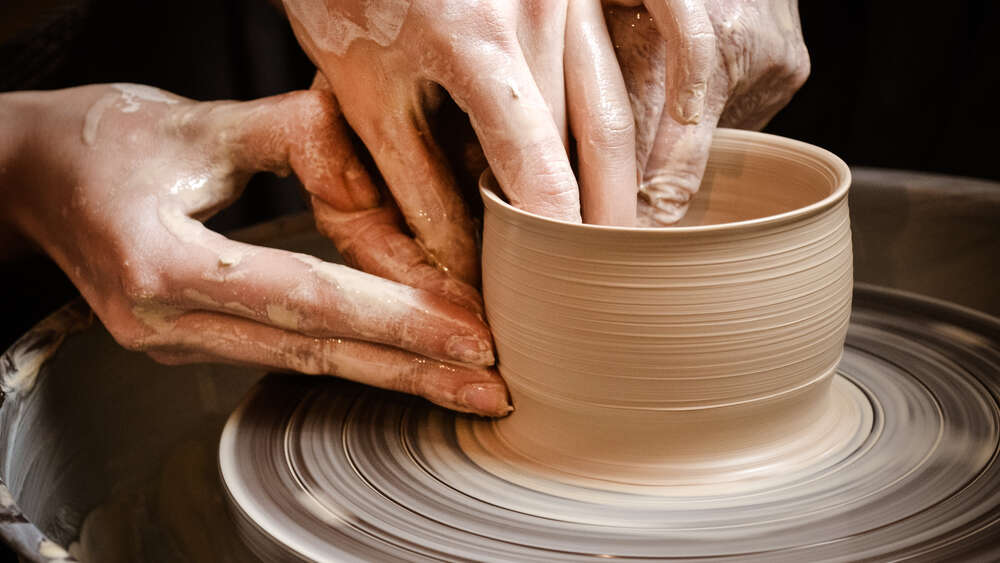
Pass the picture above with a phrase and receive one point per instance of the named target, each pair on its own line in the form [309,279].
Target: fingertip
[668,196]
[690,105]
[486,399]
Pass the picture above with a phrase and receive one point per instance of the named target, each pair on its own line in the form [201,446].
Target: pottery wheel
[328,470]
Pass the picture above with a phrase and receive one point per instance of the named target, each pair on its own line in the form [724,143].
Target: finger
[690,44]
[205,336]
[544,52]
[396,132]
[372,241]
[308,129]
[302,293]
[300,131]
[517,131]
[643,60]
[601,119]
[675,167]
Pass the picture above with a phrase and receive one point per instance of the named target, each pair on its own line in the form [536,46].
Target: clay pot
[694,354]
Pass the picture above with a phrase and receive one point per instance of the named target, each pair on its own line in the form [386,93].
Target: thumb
[305,131]
[301,131]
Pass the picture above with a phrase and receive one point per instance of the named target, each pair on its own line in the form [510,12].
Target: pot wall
[641,347]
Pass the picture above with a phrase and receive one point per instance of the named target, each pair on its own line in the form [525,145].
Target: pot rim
[832,163]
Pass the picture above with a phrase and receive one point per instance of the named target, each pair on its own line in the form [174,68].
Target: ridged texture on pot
[709,343]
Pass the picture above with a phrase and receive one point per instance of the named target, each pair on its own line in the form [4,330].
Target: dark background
[910,85]
[893,84]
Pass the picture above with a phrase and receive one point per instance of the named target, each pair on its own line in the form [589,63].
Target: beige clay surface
[686,356]
[681,393]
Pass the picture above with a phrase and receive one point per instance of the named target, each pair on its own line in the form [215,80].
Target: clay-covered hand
[112,182]
[518,68]
[691,65]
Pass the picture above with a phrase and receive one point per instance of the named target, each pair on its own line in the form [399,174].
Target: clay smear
[683,355]
[335,28]
[128,99]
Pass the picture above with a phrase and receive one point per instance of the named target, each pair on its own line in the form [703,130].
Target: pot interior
[751,176]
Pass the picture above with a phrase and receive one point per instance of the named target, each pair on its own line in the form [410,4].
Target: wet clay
[680,356]
[355,473]
[335,28]
[347,472]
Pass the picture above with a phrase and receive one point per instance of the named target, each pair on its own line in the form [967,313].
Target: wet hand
[112,182]
[526,72]
[692,65]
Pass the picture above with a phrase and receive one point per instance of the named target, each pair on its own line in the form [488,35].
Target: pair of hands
[118,205]
[639,87]
[111,182]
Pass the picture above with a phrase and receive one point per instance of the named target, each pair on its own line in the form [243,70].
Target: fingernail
[470,350]
[692,103]
[485,398]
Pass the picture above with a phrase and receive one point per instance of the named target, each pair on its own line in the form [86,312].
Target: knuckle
[561,201]
[613,130]
[799,68]
[130,335]
[318,115]
[142,328]
[315,105]
[490,36]
[141,283]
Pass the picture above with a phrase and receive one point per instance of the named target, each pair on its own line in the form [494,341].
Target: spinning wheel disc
[331,470]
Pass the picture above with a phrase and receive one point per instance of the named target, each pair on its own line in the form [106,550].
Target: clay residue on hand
[188,230]
[92,121]
[283,316]
[129,95]
[335,28]
[234,307]
[159,318]
[132,93]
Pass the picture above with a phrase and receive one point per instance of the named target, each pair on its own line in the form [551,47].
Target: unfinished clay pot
[699,354]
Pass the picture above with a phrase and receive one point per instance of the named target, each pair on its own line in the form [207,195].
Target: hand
[112,181]
[692,65]
[523,82]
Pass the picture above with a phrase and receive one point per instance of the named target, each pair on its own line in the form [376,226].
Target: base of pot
[344,472]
